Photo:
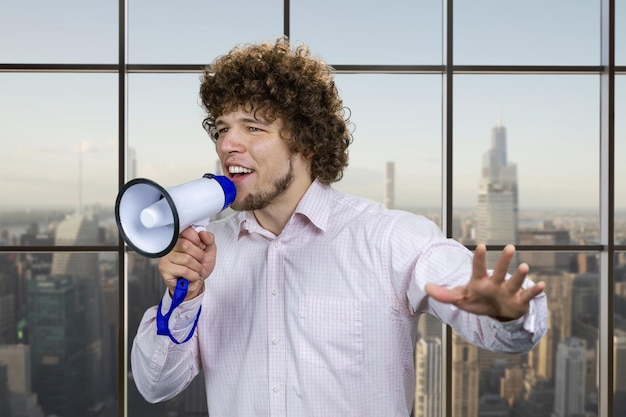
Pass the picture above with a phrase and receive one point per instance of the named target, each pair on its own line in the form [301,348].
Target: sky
[54,125]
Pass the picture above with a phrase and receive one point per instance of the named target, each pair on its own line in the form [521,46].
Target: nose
[231,141]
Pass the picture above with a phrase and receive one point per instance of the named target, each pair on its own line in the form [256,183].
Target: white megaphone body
[150,217]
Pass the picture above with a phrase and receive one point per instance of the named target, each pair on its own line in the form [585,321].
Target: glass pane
[620,32]
[401,32]
[533,32]
[59,333]
[619,337]
[620,159]
[59,156]
[559,374]
[66,31]
[166,140]
[197,31]
[525,157]
[397,135]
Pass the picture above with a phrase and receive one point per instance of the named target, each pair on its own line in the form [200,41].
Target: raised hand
[491,295]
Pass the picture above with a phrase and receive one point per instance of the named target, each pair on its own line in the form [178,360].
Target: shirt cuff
[510,326]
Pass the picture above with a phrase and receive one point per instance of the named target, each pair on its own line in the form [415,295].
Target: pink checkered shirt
[320,320]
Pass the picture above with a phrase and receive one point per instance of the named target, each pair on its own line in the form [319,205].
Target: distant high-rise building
[492,405]
[5,393]
[84,269]
[390,179]
[538,399]
[465,376]
[569,398]
[428,378]
[497,215]
[586,307]
[57,327]
[22,400]
[559,292]
[131,165]
[429,327]
[512,385]
[9,292]
[619,372]
[545,261]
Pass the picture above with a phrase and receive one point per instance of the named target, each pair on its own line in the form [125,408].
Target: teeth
[239,170]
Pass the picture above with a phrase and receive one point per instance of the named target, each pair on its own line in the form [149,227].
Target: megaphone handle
[180,292]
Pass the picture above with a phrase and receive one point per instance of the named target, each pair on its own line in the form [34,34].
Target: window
[504,124]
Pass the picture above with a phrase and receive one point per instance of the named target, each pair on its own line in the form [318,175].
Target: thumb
[442,294]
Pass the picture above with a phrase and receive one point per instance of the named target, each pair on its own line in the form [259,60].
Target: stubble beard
[262,199]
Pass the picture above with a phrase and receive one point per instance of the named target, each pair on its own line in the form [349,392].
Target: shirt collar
[314,205]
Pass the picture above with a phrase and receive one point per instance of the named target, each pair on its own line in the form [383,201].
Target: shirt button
[277,389]
[274,291]
[276,340]
[277,245]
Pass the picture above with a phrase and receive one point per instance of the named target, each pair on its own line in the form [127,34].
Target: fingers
[192,257]
[531,292]
[502,266]
[479,262]
[517,279]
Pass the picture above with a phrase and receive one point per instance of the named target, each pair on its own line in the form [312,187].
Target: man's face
[256,158]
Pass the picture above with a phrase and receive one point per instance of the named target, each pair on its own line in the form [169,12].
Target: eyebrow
[243,120]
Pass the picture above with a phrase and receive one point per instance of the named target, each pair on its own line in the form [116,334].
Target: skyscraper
[428,378]
[465,377]
[569,398]
[55,317]
[84,271]
[22,402]
[390,178]
[619,376]
[497,214]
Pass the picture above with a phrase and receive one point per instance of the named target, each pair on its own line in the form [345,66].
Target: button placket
[275,328]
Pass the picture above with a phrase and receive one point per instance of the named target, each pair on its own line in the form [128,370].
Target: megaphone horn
[150,217]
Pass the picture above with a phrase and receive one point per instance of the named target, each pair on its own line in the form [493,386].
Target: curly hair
[291,85]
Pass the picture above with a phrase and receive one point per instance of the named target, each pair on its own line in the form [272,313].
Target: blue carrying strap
[180,292]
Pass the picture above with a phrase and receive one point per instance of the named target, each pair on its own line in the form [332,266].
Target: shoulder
[373,214]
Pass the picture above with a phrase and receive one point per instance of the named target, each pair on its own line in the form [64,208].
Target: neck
[275,216]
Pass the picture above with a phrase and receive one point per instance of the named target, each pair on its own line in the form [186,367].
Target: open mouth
[239,171]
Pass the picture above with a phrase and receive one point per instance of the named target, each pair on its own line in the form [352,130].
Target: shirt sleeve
[428,256]
[161,368]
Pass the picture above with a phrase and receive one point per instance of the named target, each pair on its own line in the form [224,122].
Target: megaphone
[150,217]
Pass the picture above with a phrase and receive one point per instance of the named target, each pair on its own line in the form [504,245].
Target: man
[306,299]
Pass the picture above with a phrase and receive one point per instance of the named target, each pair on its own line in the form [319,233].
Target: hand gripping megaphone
[150,218]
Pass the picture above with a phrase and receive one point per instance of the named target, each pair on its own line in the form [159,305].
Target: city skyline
[498,382]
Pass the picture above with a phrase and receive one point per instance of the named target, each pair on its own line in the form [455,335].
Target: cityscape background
[525,169]
[58,327]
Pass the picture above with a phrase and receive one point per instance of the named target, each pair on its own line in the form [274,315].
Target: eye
[254,129]
[215,133]
[211,130]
